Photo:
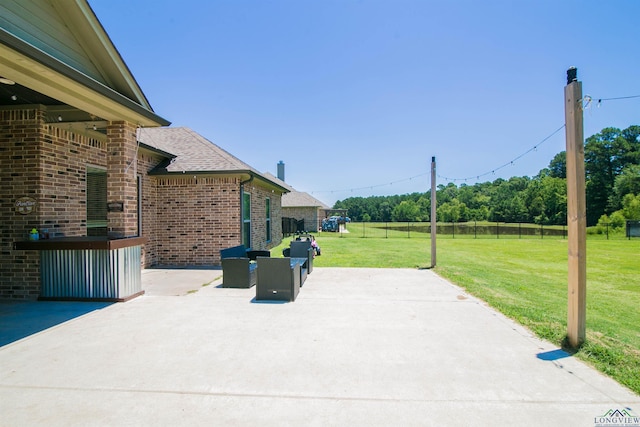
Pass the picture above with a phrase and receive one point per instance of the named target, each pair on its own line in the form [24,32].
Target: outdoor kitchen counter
[59,243]
[88,268]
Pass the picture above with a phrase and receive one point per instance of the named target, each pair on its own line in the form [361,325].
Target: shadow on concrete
[266,301]
[553,355]
[19,320]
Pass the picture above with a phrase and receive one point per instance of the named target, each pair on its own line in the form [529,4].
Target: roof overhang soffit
[243,176]
[35,69]
[82,21]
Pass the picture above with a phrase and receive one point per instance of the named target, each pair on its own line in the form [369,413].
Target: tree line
[612,172]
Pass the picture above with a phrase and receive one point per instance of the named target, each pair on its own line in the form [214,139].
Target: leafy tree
[546,198]
[424,207]
[407,210]
[446,193]
[617,220]
[605,155]
[385,211]
[632,136]
[479,214]
[506,204]
[453,211]
[558,165]
[631,206]
[627,182]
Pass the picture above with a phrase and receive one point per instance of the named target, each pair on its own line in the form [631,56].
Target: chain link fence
[469,230]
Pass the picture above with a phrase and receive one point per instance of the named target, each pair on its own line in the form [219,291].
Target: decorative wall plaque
[26,205]
[115,207]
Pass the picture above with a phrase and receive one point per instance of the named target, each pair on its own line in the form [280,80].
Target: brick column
[20,175]
[121,179]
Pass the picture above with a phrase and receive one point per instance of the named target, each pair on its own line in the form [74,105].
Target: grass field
[527,281]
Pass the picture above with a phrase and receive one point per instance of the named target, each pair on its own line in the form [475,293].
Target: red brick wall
[258,217]
[311,216]
[186,219]
[64,157]
[122,175]
[198,216]
[20,134]
[146,162]
[48,164]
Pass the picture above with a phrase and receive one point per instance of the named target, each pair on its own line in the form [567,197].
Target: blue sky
[356,96]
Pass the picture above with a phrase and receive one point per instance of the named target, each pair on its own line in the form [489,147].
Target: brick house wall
[48,164]
[259,196]
[311,216]
[20,134]
[197,216]
[149,195]
[187,220]
[122,186]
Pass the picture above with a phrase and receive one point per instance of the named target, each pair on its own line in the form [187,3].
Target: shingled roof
[297,199]
[195,154]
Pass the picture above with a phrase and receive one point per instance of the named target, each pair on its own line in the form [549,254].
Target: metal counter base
[89,270]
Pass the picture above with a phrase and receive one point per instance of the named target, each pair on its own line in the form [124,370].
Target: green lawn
[527,281]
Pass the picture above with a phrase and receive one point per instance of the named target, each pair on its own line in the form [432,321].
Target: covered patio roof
[70,66]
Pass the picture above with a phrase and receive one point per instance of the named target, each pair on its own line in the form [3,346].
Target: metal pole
[576,210]
[433,212]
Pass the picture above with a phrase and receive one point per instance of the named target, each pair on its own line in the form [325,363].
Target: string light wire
[509,163]
[371,187]
[477,176]
[586,102]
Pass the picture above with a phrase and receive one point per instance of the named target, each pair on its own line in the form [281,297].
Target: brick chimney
[281,170]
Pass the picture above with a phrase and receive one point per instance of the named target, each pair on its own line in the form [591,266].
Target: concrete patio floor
[358,347]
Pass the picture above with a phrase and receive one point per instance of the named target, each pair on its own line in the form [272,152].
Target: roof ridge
[215,147]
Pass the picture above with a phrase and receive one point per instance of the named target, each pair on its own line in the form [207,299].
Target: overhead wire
[509,163]
[586,103]
[477,176]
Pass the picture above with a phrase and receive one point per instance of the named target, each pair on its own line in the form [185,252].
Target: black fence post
[475,229]
[497,230]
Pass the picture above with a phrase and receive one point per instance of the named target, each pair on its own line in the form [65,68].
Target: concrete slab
[358,347]
[179,281]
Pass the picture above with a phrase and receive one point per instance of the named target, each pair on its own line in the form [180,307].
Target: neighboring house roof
[193,153]
[297,199]
[59,51]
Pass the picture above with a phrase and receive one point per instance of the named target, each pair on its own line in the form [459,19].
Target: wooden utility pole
[576,210]
[433,212]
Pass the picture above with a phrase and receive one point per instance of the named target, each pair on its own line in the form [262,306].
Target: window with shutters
[96,201]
